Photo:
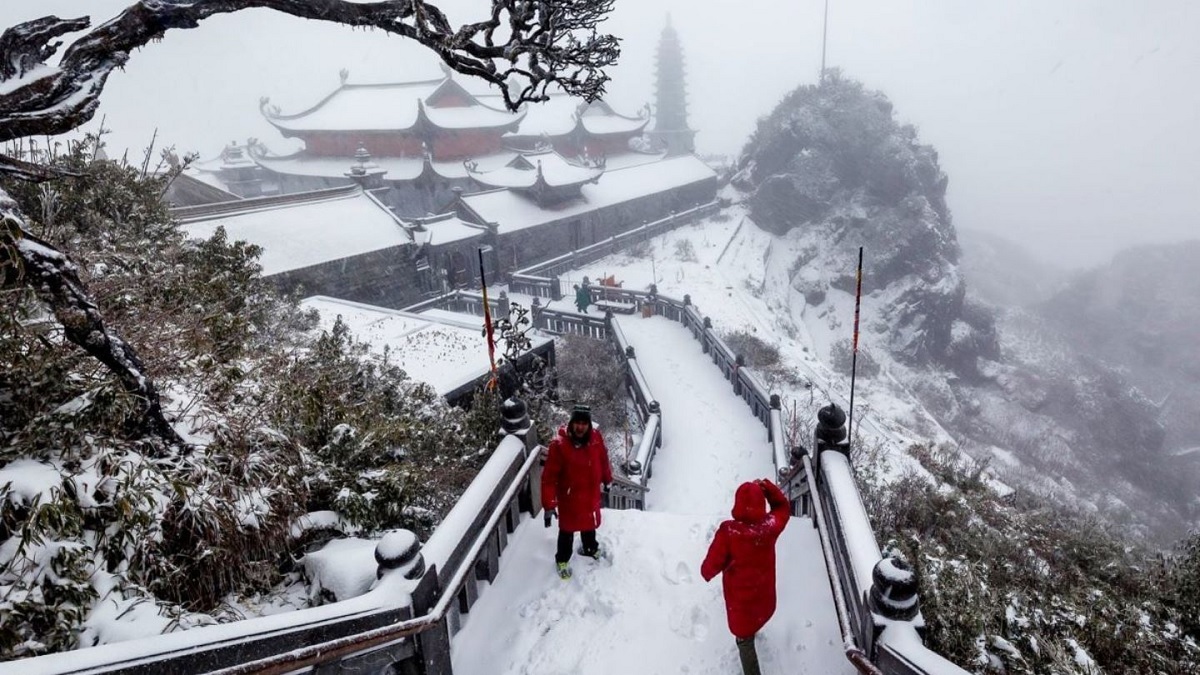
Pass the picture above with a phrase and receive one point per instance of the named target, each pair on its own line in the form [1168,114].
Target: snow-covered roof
[444,349]
[396,168]
[530,168]
[561,114]
[445,229]
[394,106]
[297,231]
[599,118]
[512,211]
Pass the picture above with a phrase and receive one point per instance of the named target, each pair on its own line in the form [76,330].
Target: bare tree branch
[548,42]
[542,43]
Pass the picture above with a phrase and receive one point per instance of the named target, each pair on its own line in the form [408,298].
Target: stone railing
[404,624]
[875,597]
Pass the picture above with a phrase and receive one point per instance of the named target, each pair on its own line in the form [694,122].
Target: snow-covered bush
[684,251]
[589,372]
[99,521]
[1015,585]
[841,357]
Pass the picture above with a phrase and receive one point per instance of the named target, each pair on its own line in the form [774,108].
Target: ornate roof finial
[362,155]
[344,73]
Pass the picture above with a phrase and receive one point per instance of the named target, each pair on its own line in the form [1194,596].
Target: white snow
[443,349]
[24,481]
[294,236]
[512,211]
[395,543]
[647,613]
[711,442]
[344,567]
[648,610]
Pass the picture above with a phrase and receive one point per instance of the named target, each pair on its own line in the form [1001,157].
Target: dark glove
[547,515]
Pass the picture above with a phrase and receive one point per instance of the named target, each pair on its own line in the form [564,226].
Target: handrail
[319,653]
[381,610]
[849,642]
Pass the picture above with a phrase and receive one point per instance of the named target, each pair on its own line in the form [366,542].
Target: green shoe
[564,571]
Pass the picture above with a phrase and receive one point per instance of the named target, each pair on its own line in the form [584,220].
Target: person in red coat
[576,468]
[744,551]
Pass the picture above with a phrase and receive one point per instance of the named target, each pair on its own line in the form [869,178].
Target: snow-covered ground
[737,275]
[647,610]
[711,442]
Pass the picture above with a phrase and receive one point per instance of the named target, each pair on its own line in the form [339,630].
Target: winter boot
[598,554]
[564,571]
[749,656]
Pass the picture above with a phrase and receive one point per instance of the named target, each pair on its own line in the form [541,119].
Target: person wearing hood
[744,551]
[583,297]
[576,468]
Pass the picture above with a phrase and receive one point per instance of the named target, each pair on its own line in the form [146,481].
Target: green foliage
[1011,584]
[590,372]
[282,421]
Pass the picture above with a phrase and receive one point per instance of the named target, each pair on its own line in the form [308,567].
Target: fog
[1066,125]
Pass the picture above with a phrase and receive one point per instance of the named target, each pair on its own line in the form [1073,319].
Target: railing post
[535,313]
[654,409]
[400,550]
[514,421]
[503,306]
[433,644]
[830,433]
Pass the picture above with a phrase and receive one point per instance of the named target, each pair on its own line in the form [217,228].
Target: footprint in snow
[680,575]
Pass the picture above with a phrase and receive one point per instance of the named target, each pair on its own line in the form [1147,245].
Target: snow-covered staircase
[647,610]
[489,602]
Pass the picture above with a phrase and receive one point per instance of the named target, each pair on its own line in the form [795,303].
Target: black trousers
[567,539]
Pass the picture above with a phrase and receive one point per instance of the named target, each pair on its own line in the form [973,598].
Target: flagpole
[487,322]
[824,39]
[854,357]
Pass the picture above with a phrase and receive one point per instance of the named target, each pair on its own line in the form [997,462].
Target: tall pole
[824,39]
[488,329]
[854,357]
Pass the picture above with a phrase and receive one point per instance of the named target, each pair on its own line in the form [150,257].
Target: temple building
[399,187]
[423,139]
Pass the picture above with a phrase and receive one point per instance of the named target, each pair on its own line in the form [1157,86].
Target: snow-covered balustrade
[876,597]
[533,285]
[564,323]
[399,622]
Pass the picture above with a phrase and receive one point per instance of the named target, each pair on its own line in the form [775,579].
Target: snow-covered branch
[523,47]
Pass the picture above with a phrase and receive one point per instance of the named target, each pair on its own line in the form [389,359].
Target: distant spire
[670,109]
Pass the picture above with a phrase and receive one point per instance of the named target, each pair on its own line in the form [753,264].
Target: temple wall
[388,278]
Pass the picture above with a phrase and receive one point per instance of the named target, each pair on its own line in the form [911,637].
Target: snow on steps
[648,611]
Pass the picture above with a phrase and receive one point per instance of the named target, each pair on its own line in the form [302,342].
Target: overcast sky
[1070,125]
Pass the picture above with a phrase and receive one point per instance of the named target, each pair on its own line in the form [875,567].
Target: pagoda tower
[670,111]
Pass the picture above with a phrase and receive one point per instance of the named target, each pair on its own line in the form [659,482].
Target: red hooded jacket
[571,480]
[744,550]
